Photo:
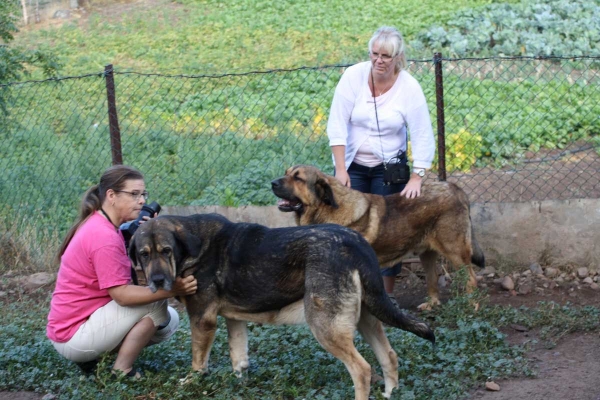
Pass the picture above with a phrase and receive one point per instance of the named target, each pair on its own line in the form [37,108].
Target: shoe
[134,374]
[88,367]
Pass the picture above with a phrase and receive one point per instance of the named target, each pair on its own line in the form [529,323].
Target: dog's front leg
[237,332]
[203,335]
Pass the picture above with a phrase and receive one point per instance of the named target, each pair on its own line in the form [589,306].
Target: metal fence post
[113,120]
[441,124]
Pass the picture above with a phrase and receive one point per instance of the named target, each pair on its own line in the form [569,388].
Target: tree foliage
[15,62]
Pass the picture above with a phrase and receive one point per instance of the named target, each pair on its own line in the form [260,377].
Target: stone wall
[553,232]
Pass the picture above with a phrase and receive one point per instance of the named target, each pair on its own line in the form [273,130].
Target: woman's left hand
[412,190]
[147,218]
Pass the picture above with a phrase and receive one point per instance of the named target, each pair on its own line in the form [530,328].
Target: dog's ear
[324,192]
[132,252]
[189,247]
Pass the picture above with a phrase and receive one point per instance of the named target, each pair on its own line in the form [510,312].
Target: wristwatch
[419,171]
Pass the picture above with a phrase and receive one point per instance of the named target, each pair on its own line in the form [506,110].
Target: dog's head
[301,187]
[163,247]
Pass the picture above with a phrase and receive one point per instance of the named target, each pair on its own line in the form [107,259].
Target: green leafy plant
[527,28]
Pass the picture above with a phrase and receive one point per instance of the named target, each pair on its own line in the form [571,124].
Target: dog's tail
[379,304]
[477,257]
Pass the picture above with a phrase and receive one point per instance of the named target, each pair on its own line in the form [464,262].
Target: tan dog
[437,222]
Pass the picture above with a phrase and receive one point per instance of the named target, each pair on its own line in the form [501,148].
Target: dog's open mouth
[289,205]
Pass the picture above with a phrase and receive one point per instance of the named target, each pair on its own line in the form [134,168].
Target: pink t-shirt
[94,261]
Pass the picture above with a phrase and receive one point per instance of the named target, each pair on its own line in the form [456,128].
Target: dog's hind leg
[428,261]
[339,341]
[372,332]
[237,333]
[332,314]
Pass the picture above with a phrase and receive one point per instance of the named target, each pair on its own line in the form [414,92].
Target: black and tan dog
[326,276]
[437,222]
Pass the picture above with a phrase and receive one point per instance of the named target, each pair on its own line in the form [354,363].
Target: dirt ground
[571,370]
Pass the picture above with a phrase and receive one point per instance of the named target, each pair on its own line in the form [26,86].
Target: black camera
[129,228]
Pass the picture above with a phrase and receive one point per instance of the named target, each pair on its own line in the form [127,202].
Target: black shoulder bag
[393,172]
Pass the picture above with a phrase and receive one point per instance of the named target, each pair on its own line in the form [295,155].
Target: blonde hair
[390,39]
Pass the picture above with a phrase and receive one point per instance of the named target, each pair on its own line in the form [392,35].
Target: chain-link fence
[515,129]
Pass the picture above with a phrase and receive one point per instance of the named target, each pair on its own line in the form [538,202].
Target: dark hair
[113,178]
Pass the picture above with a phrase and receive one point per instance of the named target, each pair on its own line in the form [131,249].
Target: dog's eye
[297,178]
[143,254]
[166,251]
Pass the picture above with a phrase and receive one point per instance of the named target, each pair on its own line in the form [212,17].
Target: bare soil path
[569,371]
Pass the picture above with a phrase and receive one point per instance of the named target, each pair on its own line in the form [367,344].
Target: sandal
[134,374]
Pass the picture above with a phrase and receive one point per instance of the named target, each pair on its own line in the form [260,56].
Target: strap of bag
[399,155]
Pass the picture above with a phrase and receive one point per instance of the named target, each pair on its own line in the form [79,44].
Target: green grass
[217,36]
[287,362]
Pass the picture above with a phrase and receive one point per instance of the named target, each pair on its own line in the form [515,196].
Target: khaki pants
[106,328]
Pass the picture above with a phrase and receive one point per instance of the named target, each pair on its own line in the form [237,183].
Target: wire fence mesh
[514,129]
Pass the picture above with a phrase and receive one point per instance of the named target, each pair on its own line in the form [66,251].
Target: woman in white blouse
[373,105]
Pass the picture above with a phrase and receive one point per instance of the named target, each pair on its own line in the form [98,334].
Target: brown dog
[437,222]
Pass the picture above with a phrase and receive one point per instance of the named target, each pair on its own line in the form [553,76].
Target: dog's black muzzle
[287,202]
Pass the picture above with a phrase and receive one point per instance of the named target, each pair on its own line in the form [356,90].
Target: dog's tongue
[284,203]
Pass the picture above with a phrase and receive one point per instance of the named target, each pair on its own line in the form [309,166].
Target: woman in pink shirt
[95,308]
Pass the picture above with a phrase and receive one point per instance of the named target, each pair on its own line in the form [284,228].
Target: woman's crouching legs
[126,329]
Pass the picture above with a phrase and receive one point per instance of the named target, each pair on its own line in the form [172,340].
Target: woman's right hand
[185,286]
[343,177]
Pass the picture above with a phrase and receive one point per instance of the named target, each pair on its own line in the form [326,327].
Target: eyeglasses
[136,195]
[384,57]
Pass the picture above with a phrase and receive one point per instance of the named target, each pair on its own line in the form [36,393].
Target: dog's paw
[193,376]
[428,306]
[240,368]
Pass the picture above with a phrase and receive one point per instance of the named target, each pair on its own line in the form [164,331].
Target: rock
[552,285]
[526,273]
[49,396]
[487,270]
[582,272]
[551,272]
[507,283]
[63,14]
[559,280]
[442,281]
[492,386]
[413,280]
[594,286]
[479,278]
[519,328]
[588,280]
[536,269]
[2,293]
[525,289]
[37,280]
